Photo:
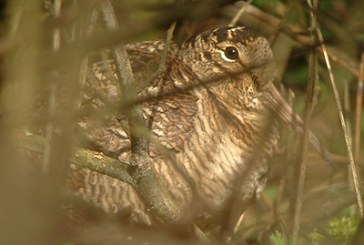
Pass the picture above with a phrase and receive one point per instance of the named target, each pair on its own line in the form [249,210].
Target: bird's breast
[215,153]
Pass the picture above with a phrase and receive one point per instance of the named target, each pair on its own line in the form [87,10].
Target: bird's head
[226,52]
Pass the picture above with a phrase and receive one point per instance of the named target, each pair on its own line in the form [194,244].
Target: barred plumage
[211,115]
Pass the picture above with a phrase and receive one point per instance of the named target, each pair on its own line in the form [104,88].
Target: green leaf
[277,238]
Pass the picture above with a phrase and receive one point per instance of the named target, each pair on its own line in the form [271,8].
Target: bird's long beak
[274,100]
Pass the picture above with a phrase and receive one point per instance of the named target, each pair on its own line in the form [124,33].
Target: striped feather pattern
[209,115]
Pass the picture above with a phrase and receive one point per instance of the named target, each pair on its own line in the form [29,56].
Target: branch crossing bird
[216,114]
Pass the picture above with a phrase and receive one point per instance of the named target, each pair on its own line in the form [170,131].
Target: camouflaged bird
[214,112]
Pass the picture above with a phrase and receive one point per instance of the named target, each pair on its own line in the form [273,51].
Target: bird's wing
[169,117]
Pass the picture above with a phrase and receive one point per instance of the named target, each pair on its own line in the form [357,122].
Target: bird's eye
[230,54]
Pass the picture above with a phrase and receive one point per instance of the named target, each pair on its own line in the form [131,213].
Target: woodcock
[217,112]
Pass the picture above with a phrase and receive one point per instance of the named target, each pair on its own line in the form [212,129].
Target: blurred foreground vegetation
[42,48]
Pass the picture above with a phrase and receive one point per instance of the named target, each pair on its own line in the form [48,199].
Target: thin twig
[94,161]
[359,102]
[342,119]
[135,114]
[288,136]
[92,23]
[52,103]
[64,98]
[239,13]
[358,110]
[162,64]
[148,185]
[310,101]
[346,108]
